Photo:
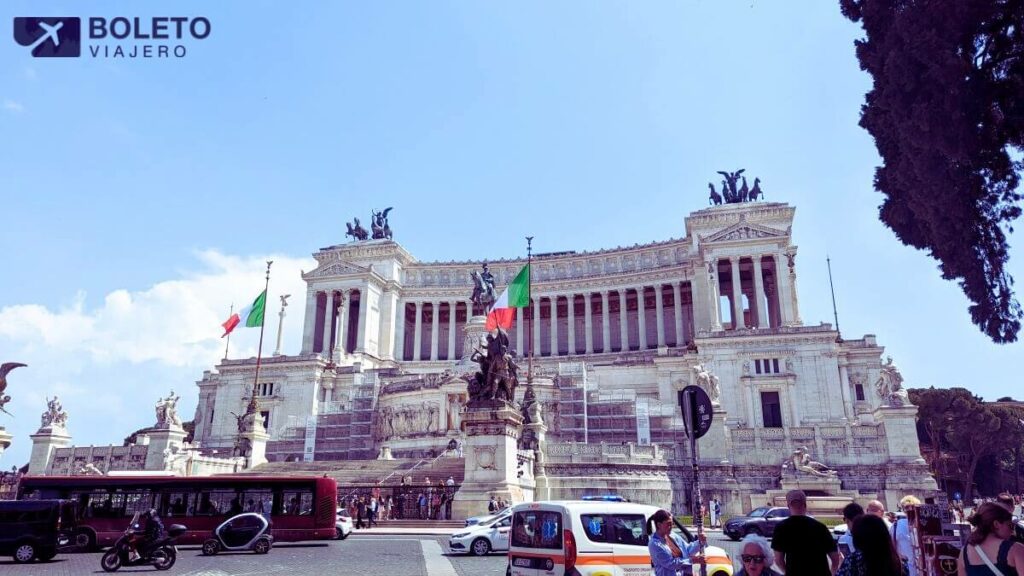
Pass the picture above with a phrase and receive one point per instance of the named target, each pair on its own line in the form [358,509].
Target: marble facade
[617,333]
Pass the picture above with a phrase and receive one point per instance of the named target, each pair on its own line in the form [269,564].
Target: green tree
[947,115]
[972,434]
[935,414]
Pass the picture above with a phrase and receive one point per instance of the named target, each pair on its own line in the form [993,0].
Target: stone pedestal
[163,442]
[5,440]
[491,457]
[825,496]
[44,442]
[473,334]
[900,433]
[714,446]
[256,438]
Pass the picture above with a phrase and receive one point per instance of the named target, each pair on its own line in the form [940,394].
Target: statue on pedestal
[379,224]
[498,375]
[55,416]
[801,461]
[483,289]
[4,369]
[167,412]
[890,385]
[708,381]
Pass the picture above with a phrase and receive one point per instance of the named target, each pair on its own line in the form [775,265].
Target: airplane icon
[51,34]
[49,37]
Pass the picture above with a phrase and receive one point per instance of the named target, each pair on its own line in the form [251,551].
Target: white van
[589,538]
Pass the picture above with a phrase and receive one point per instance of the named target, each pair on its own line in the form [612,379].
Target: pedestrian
[450,481]
[492,506]
[990,550]
[670,555]
[851,512]
[372,512]
[422,504]
[449,496]
[387,508]
[803,546]
[435,505]
[360,511]
[756,557]
[875,554]
[716,513]
[876,508]
[901,534]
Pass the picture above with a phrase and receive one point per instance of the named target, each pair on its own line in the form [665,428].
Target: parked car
[474,520]
[761,521]
[32,529]
[484,538]
[342,524]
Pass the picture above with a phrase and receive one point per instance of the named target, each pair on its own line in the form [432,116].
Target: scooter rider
[152,529]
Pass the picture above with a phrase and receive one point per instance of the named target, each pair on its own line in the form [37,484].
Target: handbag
[985,559]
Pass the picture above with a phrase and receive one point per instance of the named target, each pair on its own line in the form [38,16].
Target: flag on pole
[251,316]
[516,295]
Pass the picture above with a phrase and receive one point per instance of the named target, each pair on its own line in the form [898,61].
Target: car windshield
[758,512]
[495,520]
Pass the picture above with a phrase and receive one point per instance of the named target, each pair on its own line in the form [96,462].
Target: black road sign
[695,404]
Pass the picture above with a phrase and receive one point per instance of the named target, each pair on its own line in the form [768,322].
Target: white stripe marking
[437,564]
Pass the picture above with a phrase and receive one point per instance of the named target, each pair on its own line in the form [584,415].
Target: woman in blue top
[669,554]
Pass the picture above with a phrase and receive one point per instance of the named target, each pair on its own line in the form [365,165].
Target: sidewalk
[404,531]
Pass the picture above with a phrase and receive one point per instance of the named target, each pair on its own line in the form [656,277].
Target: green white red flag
[516,295]
[251,316]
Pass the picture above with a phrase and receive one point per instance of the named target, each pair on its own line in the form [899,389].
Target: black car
[32,529]
[761,521]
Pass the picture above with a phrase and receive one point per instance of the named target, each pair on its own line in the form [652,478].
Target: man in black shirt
[803,546]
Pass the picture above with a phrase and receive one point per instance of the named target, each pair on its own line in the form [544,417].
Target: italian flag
[251,316]
[516,295]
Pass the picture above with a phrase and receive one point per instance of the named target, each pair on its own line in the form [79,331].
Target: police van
[589,538]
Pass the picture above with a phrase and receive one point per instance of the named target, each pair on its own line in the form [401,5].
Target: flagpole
[251,409]
[529,296]
[228,343]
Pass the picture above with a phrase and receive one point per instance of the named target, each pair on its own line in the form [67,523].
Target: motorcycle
[161,554]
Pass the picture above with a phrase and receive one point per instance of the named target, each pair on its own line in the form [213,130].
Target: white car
[342,524]
[485,537]
[474,520]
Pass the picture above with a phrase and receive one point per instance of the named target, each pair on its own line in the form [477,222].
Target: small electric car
[248,531]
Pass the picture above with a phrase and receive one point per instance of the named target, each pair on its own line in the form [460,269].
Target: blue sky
[140,197]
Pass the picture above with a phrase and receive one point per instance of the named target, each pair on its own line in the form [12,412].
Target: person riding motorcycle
[150,530]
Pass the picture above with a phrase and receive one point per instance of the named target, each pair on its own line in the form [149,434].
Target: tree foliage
[959,424]
[947,115]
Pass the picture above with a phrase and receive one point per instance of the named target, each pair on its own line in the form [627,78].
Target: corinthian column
[623,322]
[737,295]
[417,335]
[659,309]
[435,332]
[554,324]
[572,323]
[451,331]
[341,327]
[325,345]
[606,327]
[762,312]
[678,309]
[588,322]
[641,316]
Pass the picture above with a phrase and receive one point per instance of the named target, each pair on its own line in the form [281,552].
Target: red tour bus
[300,508]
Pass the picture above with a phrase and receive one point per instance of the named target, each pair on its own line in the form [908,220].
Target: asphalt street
[360,555]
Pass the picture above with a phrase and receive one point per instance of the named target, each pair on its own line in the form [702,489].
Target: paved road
[358,556]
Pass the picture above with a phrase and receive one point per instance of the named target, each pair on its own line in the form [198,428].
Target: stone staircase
[369,472]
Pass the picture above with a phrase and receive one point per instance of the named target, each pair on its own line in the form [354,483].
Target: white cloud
[12,106]
[110,363]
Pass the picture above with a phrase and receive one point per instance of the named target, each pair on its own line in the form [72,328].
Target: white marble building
[618,332]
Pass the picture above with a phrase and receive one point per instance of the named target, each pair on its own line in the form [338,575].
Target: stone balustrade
[567,452]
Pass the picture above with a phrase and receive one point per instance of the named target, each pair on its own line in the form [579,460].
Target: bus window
[175,504]
[298,503]
[135,502]
[258,501]
[96,504]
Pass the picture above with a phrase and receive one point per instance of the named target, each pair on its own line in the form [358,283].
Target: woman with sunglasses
[756,557]
[670,555]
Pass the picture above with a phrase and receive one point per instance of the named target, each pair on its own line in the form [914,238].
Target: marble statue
[55,416]
[800,461]
[90,469]
[708,381]
[4,369]
[167,412]
[890,385]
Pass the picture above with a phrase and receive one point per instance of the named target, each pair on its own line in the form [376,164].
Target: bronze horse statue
[357,232]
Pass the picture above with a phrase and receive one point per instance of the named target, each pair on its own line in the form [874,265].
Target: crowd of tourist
[420,501]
